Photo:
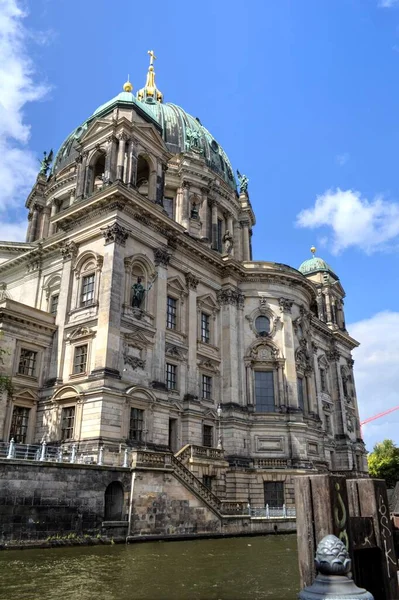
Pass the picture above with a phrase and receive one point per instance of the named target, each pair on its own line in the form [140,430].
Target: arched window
[262,325]
[99,172]
[143,176]
[113,502]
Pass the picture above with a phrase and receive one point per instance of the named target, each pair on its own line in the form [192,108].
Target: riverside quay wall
[155,497]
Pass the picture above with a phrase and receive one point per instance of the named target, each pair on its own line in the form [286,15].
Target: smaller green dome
[315,265]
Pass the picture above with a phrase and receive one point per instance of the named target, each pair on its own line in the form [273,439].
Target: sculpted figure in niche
[228,242]
[139,291]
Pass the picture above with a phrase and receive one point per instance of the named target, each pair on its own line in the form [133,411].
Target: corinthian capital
[115,233]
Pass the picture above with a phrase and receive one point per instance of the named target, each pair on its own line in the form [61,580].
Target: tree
[384,462]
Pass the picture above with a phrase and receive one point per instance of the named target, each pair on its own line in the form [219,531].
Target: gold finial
[149,92]
[313,250]
[128,86]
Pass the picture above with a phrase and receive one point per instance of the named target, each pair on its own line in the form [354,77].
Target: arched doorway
[113,505]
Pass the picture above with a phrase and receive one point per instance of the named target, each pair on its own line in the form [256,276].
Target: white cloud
[388,3]
[354,221]
[18,166]
[342,159]
[377,374]
[13,232]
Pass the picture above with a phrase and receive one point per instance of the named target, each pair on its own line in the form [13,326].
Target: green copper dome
[180,131]
[315,265]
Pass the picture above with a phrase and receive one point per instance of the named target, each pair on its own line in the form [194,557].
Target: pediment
[97,127]
[148,133]
[80,332]
[177,284]
[25,394]
[175,351]
[137,337]
[207,301]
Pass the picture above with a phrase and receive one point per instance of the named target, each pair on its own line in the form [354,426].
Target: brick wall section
[40,500]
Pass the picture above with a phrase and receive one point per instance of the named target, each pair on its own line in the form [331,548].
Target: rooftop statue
[46,162]
[243,179]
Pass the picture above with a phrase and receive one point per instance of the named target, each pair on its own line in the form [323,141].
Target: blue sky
[302,94]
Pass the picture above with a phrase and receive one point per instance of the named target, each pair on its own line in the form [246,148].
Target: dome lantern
[150,93]
[315,265]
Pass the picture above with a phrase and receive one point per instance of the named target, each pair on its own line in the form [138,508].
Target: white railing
[74,453]
[273,512]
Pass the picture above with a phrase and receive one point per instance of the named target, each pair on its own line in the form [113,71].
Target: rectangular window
[168,206]
[207,436]
[27,362]
[171,376]
[67,423]
[274,493]
[300,393]
[87,294]
[136,424]
[19,424]
[219,235]
[264,391]
[205,328]
[171,313]
[54,304]
[80,359]
[323,380]
[206,387]
[207,481]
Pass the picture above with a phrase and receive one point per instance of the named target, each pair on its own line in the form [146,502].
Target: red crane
[382,414]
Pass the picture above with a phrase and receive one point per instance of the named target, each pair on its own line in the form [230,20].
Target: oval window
[262,325]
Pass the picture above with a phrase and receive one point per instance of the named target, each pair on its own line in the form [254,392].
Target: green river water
[252,568]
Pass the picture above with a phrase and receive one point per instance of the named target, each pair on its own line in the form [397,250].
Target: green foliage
[384,462]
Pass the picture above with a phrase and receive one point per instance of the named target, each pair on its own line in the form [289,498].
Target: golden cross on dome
[153,57]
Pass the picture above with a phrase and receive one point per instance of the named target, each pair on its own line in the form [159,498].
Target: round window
[262,325]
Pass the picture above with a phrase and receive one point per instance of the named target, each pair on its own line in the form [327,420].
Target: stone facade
[97,360]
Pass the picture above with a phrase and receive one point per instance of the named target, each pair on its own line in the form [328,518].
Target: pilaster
[289,352]
[192,380]
[228,299]
[161,260]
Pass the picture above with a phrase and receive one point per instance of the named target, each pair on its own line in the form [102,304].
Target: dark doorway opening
[113,502]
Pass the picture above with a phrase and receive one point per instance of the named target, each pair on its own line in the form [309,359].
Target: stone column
[280,379]
[33,231]
[45,221]
[245,241]
[328,307]
[54,209]
[185,214]
[214,206]
[229,221]
[289,352]
[337,393]
[241,347]
[121,156]
[88,180]
[320,306]
[80,177]
[110,160]
[106,362]
[310,390]
[230,364]
[316,384]
[161,259]
[192,382]
[132,163]
[204,218]
[162,168]
[29,230]
[237,240]
[69,252]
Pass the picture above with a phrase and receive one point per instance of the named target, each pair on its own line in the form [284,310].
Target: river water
[253,568]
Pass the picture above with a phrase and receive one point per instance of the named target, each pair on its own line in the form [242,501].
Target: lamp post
[219,414]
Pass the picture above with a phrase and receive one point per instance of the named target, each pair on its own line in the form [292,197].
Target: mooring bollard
[73,453]
[11,449]
[100,461]
[126,458]
[43,451]
[333,565]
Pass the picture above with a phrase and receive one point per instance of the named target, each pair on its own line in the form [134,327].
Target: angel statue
[243,179]
[46,162]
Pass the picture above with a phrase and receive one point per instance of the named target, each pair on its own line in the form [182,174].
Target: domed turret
[315,265]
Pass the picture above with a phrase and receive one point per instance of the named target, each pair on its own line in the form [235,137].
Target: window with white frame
[264,391]
[67,422]
[171,376]
[206,387]
[19,424]
[27,362]
[87,290]
[205,328]
[80,359]
[171,313]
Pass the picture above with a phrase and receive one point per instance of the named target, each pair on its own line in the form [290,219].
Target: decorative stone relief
[285,305]
[161,256]
[175,352]
[264,352]
[192,281]
[115,233]
[69,250]
[134,361]
[208,365]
